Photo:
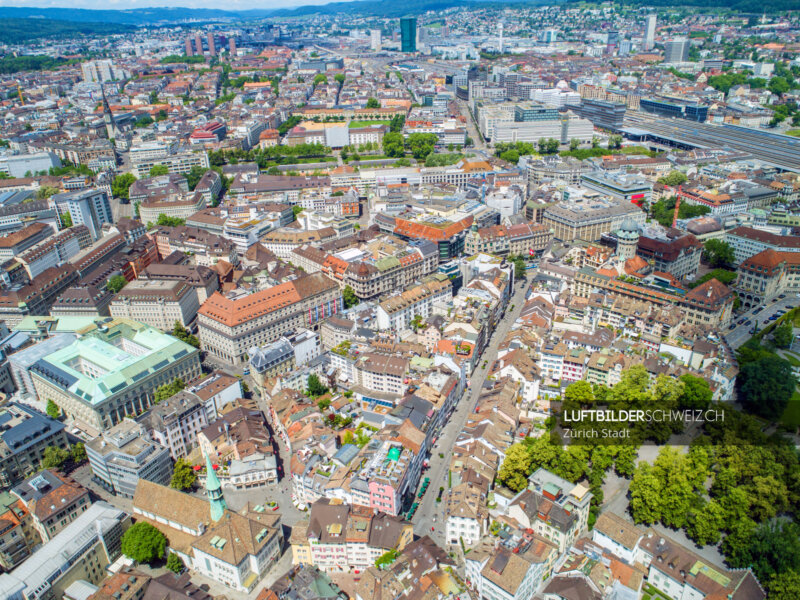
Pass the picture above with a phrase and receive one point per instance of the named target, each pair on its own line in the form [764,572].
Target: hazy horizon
[133,4]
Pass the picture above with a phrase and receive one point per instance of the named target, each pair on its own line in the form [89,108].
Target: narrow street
[472,130]
[438,472]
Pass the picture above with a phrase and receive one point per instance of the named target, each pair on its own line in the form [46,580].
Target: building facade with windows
[229,327]
[123,455]
[111,370]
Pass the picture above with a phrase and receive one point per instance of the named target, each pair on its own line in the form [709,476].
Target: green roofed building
[113,369]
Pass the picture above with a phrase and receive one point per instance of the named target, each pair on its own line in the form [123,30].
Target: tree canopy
[168,390]
[315,387]
[765,386]
[718,253]
[159,170]
[54,457]
[116,283]
[394,145]
[673,179]
[175,563]
[183,334]
[664,210]
[183,475]
[421,144]
[121,184]
[349,297]
[143,543]
[52,409]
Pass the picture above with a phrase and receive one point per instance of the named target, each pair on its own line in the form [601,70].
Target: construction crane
[19,94]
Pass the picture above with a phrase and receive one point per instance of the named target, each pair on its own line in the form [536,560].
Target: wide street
[738,336]
[429,509]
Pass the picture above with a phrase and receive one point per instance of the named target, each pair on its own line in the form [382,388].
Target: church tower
[214,492]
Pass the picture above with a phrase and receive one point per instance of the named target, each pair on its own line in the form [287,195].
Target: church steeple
[214,492]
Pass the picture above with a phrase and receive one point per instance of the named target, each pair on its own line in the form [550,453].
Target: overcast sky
[122,4]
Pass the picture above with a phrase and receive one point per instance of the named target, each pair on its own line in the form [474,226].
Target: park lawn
[793,132]
[791,416]
[354,124]
[792,358]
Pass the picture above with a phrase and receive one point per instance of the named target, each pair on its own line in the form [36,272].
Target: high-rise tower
[500,35]
[212,49]
[650,32]
[408,34]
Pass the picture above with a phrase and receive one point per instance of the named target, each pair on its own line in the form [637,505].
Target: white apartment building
[553,508]
[505,575]
[175,422]
[216,390]
[381,373]
[398,313]
[176,163]
[152,150]
[505,200]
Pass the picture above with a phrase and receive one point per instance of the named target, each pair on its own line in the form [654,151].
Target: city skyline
[435,300]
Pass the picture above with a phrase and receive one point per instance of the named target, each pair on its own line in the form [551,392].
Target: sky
[125,4]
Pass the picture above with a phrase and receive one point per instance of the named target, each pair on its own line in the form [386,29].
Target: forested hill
[17,31]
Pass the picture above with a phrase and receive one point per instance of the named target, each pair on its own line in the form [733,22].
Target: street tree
[54,457]
[718,253]
[143,543]
[52,409]
[183,475]
[315,387]
[516,468]
[175,563]
[159,170]
[783,335]
[696,392]
[784,586]
[121,184]
[116,283]
[765,386]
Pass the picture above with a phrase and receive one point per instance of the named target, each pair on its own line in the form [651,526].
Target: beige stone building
[157,303]
[229,327]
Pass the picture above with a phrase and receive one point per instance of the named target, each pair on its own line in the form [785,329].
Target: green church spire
[214,492]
